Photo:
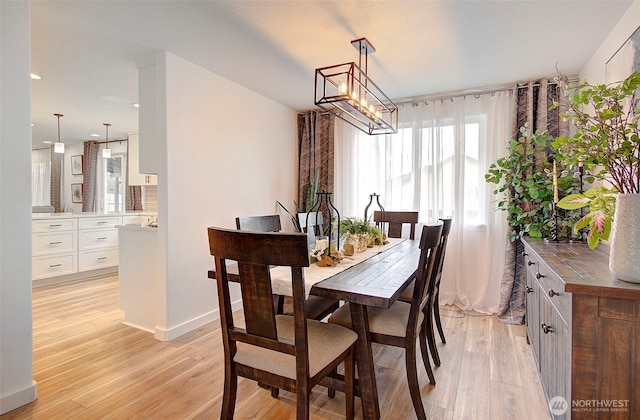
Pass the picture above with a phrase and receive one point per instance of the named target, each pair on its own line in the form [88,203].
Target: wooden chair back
[427,266]
[395,220]
[255,253]
[270,223]
[442,248]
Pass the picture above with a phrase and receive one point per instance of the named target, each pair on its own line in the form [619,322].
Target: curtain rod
[464,92]
[112,141]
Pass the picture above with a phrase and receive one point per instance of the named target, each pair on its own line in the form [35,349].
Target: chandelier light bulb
[342,90]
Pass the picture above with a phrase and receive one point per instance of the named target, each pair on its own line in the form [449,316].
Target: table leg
[364,359]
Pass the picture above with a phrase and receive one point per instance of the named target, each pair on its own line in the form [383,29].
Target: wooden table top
[583,270]
[376,281]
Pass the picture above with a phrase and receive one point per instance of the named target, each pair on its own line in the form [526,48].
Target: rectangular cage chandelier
[346,91]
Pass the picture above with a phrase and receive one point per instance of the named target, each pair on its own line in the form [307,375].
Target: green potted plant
[360,233]
[525,185]
[606,118]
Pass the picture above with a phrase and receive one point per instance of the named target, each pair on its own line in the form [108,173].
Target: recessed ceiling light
[46,141]
[35,76]
[136,105]
[32,124]
[94,135]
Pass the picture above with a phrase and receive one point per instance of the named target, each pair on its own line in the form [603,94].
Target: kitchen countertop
[137,228]
[89,214]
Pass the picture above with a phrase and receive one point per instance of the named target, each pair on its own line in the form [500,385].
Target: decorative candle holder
[325,197]
[366,209]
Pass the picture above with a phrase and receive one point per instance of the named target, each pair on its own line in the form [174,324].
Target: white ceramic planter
[624,257]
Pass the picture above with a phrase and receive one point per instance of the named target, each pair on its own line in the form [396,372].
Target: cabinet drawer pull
[102,222]
[58,225]
[546,328]
[102,238]
[529,289]
[530,262]
[524,254]
[55,243]
[539,276]
[102,258]
[55,265]
[553,293]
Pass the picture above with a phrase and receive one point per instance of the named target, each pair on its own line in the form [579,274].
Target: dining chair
[316,307]
[401,324]
[395,220]
[282,351]
[433,313]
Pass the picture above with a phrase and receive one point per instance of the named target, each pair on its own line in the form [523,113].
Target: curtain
[41,177]
[133,199]
[435,164]
[316,155]
[57,160]
[531,104]
[90,175]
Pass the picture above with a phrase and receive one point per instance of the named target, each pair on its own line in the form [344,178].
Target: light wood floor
[89,365]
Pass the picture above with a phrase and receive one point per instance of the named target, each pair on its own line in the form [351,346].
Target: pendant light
[347,91]
[58,147]
[106,152]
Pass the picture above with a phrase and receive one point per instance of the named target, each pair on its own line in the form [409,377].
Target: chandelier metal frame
[348,92]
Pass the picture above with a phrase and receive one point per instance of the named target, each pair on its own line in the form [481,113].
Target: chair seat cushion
[326,343]
[392,321]
[407,294]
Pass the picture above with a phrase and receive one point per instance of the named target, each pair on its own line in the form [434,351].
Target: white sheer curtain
[436,164]
[41,177]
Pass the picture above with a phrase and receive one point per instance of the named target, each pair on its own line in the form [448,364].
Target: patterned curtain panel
[57,160]
[316,148]
[134,198]
[90,175]
[532,102]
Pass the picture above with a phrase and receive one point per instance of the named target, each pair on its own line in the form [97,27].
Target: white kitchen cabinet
[98,242]
[135,175]
[54,247]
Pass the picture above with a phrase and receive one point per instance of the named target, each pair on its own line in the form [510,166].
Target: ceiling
[88,52]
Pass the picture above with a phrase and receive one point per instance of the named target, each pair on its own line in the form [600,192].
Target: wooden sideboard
[584,329]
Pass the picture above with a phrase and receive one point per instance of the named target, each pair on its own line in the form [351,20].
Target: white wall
[224,151]
[594,71]
[16,374]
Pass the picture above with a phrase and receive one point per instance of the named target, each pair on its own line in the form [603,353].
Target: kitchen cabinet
[135,176]
[68,246]
[54,247]
[584,329]
[98,242]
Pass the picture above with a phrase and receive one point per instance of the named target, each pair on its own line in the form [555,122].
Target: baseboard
[169,334]
[18,399]
[75,276]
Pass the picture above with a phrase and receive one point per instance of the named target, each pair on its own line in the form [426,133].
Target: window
[114,181]
[41,177]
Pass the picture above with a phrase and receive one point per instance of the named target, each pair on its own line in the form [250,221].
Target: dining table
[373,278]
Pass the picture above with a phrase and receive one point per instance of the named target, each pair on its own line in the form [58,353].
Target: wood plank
[473,387]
